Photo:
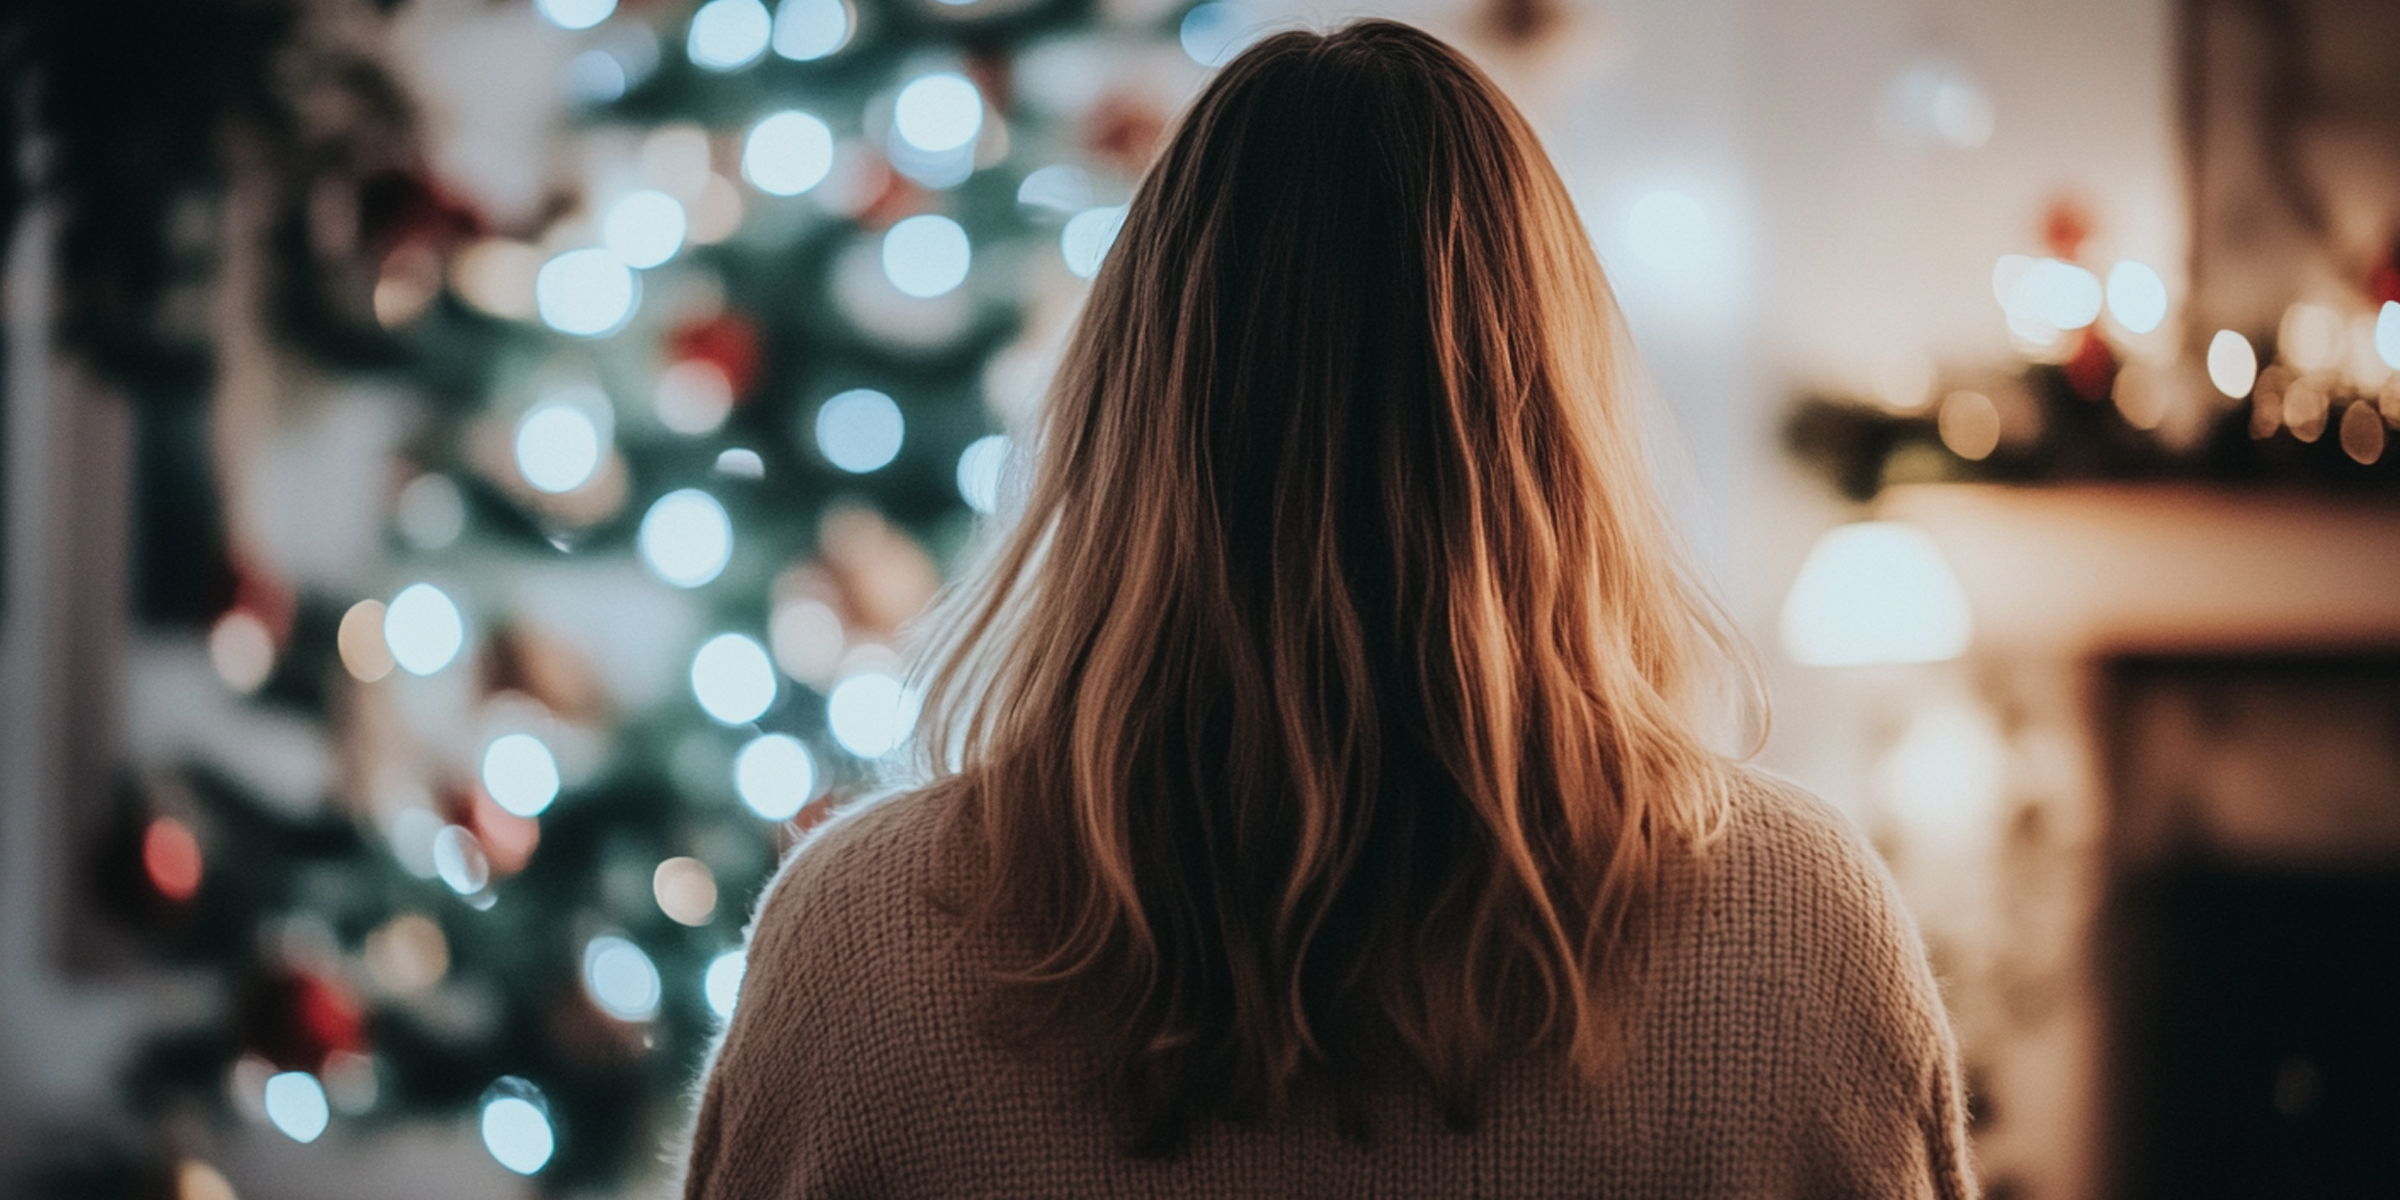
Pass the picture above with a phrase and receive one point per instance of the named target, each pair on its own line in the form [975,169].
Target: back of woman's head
[1326,716]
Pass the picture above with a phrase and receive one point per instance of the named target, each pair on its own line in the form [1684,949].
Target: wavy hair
[1327,714]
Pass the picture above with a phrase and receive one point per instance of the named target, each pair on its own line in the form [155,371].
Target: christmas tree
[671,455]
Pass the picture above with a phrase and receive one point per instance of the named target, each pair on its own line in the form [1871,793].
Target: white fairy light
[1085,241]
[787,153]
[728,34]
[520,774]
[775,776]
[588,293]
[938,113]
[423,629]
[645,228]
[295,1104]
[558,447]
[620,978]
[806,30]
[926,255]
[860,430]
[733,678]
[686,538]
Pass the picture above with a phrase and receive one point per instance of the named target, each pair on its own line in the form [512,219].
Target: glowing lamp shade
[520,774]
[979,467]
[686,538]
[2387,334]
[295,1104]
[588,293]
[2137,297]
[2232,364]
[723,982]
[558,448]
[727,34]
[938,113]
[860,430]
[1213,33]
[1085,241]
[787,153]
[423,629]
[645,228]
[926,256]
[775,776]
[733,678]
[575,14]
[870,714]
[1875,592]
[810,29]
[516,1126]
[620,978]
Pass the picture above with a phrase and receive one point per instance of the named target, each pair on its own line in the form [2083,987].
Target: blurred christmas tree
[675,436]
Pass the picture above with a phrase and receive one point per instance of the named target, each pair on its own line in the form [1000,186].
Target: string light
[295,1104]
[938,113]
[787,153]
[1085,241]
[926,255]
[870,714]
[733,679]
[2232,364]
[241,650]
[860,430]
[1059,187]
[2137,297]
[723,982]
[728,34]
[515,1124]
[520,774]
[575,14]
[686,890]
[686,538]
[979,467]
[2387,334]
[423,629]
[775,776]
[558,446]
[459,862]
[693,397]
[359,642]
[588,293]
[811,29]
[620,978]
[808,640]
[644,228]
[171,858]
[1213,33]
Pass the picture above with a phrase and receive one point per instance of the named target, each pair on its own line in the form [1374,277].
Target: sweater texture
[1792,1044]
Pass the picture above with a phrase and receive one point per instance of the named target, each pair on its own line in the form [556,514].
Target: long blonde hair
[1328,713]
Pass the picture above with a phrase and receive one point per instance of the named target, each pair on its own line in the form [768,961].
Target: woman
[1319,807]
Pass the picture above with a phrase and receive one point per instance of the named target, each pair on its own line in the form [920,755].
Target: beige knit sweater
[1795,1048]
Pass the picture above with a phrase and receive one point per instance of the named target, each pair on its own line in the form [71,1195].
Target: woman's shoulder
[874,860]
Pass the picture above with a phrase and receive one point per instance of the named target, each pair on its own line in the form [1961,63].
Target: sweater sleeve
[1886,1118]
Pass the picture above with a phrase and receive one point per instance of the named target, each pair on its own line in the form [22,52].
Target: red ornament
[2092,370]
[726,341]
[298,1019]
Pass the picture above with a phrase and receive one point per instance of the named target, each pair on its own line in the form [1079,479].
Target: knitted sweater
[1794,1047]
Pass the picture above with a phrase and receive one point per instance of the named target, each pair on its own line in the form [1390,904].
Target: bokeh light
[408,954]
[575,14]
[431,514]
[171,858]
[1969,424]
[787,153]
[2137,297]
[588,292]
[741,462]
[295,1104]
[359,642]
[686,538]
[645,228]
[686,890]
[926,255]
[811,29]
[2309,338]
[692,397]
[2232,364]
[1085,241]
[2387,334]
[870,713]
[1212,34]
[938,113]
[499,276]
[733,678]
[728,34]
[1059,187]
[808,640]
[775,776]
[423,629]
[520,774]
[723,982]
[516,1126]
[979,467]
[620,978]
[860,430]
[558,447]
[241,650]
[459,861]
[1875,592]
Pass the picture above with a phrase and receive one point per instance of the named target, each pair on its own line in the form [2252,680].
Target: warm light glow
[733,678]
[675,159]
[2137,297]
[2387,334]
[423,629]
[811,29]
[575,14]
[588,293]
[727,34]
[516,1126]
[1084,243]
[2362,432]
[645,228]
[979,467]
[686,538]
[860,430]
[558,446]
[686,890]
[926,255]
[360,642]
[775,776]
[1875,592]
[241,650]
[808,640]
[499,277]
[1213,33]
[1903,378]
[520,774]
[431,514]
[196,1180]
[620,978]
[787,153]
[938,113]
[723,983]
[408,954]
[1970,425]
[459,862]
[870,713]
[1944,779]
[693,397]
[716,211]
[295,1104]
[2309,338]
[2232,364]
[171,858]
